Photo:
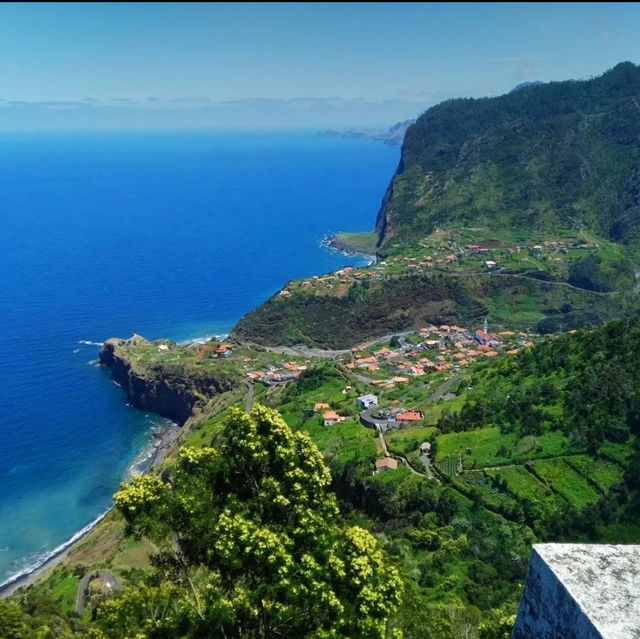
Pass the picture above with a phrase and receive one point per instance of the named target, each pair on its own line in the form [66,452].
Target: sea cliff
[172,390]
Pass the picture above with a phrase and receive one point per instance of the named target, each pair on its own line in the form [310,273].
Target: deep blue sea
[164,234]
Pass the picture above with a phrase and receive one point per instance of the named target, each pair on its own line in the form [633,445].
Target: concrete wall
[547,610]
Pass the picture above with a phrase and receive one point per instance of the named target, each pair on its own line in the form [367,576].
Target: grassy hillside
[367,309]
[534,444]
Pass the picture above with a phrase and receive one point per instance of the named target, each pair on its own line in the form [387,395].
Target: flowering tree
[251,546]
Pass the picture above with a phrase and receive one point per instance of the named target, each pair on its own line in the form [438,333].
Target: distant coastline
[393,136]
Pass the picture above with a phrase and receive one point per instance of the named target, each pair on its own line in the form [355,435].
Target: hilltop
[458,418]
[456,447]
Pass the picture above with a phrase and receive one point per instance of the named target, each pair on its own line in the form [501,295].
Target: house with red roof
[385,464]
[331,417]
[409,416]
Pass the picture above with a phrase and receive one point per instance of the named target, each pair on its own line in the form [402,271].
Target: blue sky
[165,64]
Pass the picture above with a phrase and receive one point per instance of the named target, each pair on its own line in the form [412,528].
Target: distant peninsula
[393,136]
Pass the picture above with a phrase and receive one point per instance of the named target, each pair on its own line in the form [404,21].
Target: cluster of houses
[455,346]
[394,416]
[440,254]
[271,375]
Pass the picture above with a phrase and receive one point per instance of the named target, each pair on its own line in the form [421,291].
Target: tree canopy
[251,545]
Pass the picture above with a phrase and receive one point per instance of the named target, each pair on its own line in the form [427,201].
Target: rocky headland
[171,389]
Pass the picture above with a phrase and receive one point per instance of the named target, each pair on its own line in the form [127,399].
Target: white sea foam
[41,559]
[89,342]
[147,456]
[219,337]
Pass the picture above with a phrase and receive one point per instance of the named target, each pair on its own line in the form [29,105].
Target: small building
[362,362]
[163,347]
[366,401]
[331,417]
[223,350]
[409,416]
[320,406]
[425,448]
[490,264]
[386,463]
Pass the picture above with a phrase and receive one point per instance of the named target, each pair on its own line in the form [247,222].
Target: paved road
[367,418]
[524,276]
[249,402]
[109,579]
[383,443]
[444,388]
[305,351]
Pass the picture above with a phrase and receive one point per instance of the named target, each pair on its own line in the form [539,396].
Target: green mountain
[546,157]
[523,208]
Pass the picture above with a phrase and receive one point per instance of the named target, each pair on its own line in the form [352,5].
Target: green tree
[251,545]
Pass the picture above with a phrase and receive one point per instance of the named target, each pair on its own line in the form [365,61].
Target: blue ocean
[169,234]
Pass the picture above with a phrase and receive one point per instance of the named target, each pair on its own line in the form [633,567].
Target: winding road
[367,419]
[305,351]
[110,582]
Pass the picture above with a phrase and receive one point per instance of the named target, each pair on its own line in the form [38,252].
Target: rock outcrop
[172,390]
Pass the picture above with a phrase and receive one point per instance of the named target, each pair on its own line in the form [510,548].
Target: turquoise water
[163,234]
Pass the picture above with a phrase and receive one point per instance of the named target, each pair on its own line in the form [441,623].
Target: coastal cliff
[546,157]
[172,390]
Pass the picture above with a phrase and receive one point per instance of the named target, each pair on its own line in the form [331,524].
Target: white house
[330,417]
[366,401]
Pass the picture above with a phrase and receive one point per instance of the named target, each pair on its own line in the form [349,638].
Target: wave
[146,458]
[218,337]
[89,342]
[43,559]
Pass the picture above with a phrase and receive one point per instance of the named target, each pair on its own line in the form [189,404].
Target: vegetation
[276,526]
[371,309]
[548,157]
[522,454]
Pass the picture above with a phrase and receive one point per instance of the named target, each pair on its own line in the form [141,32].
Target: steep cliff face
[174,391]
[546,157]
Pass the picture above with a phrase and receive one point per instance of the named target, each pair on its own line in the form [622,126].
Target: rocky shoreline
[336,243]
[163,440]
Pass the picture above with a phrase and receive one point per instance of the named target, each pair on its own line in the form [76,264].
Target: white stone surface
[581,591]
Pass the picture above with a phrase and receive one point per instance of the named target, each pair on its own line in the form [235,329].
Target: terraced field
[568,482]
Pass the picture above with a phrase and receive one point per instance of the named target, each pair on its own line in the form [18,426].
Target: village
[396,386]
[461,251]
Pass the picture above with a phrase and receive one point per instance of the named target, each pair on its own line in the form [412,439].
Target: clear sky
[375,62]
